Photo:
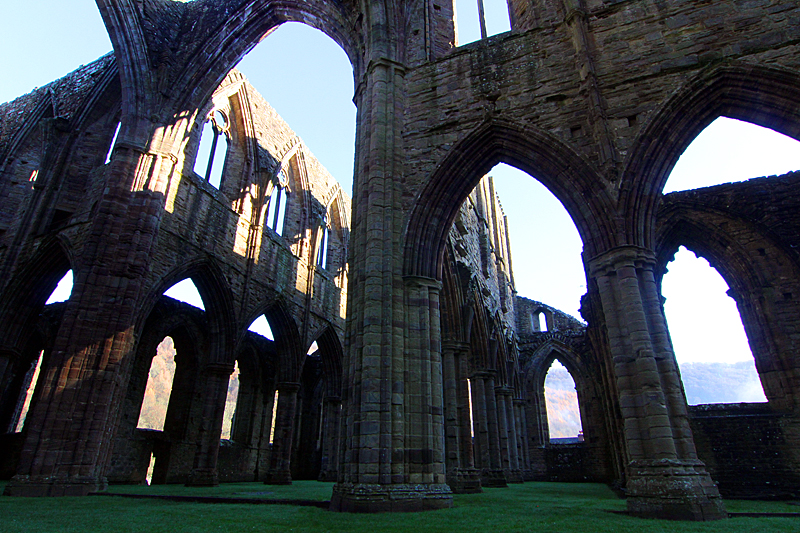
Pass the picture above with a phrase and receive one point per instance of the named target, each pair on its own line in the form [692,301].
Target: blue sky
[308,79]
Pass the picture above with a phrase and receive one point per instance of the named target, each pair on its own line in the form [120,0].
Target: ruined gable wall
[598,96]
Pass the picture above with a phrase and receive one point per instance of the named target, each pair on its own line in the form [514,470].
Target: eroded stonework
[595,98]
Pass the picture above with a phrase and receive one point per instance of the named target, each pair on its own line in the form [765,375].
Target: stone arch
[536,373]
[553,163]
[174,444]
[217,300]
[332,355]
[766,96]
[754,276]
[28,290]
[288,343]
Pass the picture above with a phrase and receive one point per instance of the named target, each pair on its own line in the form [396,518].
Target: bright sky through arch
[78,30]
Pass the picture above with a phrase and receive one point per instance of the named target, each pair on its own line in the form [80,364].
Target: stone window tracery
[213,149]
[322,251]
[276,207]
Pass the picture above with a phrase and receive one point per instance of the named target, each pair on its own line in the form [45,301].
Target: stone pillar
[484,409]
[281,455]
[514,474]
[502,432]
[393,455]
[68,447]
[522,440]
[204,472]
[263,460]
[664,477]
[462,477]
[331,413]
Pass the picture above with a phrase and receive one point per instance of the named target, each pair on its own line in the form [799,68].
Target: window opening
[30,378]
[471,420]
[478,19]
[213,148]
[276,209]
[153,412]
[274,417]
[230,402]
[150,468]
[261,327]
[730,150]
[561,401]
[113,142]
[716,364]
[186,291]
[540,321]
[63,290]
[322,252]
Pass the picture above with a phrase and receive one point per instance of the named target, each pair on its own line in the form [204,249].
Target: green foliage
[562,507]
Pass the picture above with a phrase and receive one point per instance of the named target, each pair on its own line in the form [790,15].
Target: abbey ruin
[428,373]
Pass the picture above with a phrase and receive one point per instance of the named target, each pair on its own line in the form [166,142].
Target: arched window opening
[478,19]
[230,402]
[539,321]
[186,291]
[561,400]
[730,150]
[313,349]
[709,340]
[213,149]
[113,142]
[471,419]
[153,413]
[28,386]
[62,291]
[274,418]
[322,251]
[276,203]
[318,105]
[560,280]
[261,327]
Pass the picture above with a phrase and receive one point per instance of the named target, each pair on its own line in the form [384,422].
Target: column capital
[484,374]
[504,390]
[422,281]
[288,387]
[456,346]
[622,256]
[225,369]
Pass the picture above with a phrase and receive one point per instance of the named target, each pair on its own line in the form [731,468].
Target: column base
[33,486]
[203,477]
[465,481]
[514,476]
[328,475]
[376,498]
[280,477]
[673,490]
[493,479]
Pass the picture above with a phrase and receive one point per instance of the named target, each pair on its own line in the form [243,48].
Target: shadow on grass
[579,507]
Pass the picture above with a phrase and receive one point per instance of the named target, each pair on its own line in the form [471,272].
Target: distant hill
[703,383]
[721,383]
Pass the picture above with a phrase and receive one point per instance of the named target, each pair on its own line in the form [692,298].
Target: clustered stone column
[204,472]
[664,476]
[484,411]
[280,458]
[91,360]
[331,416]
[462,476]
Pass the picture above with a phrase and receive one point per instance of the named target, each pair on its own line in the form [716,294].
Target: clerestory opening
[561,404]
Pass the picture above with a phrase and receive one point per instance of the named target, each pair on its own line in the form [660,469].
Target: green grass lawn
[552,507]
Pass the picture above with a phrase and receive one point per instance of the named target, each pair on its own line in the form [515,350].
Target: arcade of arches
[428,377]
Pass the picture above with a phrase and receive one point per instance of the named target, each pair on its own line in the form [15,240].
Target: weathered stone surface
[596,99]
